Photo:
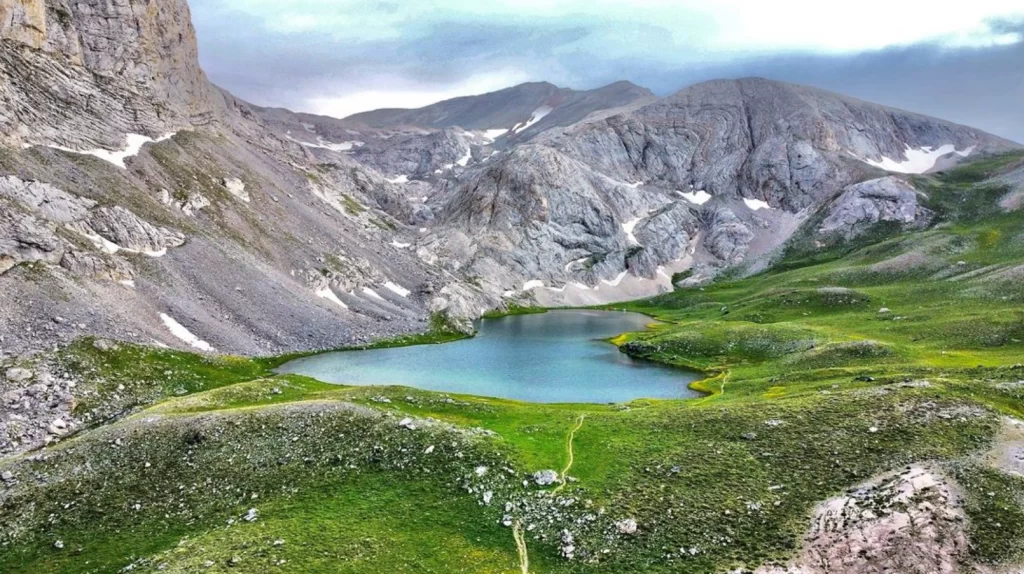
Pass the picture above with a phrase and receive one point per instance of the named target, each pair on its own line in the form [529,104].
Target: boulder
[236,187]
[861,206]
[18,374]
[545,477]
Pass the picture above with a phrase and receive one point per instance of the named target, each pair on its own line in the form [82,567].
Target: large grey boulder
[128,231]
[888,199]
[25,238]
[728,237]
[52,203]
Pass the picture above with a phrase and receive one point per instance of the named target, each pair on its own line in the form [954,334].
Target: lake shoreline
[543,357]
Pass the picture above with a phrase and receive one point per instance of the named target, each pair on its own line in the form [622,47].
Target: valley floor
[861,414]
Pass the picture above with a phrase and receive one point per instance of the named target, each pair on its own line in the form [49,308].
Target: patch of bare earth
[1008,452]
[908,523]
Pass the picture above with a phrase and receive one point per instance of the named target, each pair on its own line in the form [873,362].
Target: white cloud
[401,93]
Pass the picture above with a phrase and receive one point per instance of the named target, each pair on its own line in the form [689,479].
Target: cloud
[402,93]
[338,56]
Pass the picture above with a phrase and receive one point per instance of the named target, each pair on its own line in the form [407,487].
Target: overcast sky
[962,61]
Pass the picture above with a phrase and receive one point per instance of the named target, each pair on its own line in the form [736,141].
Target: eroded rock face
[82,74]
[24,21]
[888,199]
[665,235]
[25,238]
[97,266]
[535,211]
[128,231]
[53,203]
[728,238]
[910,522]
[32,212]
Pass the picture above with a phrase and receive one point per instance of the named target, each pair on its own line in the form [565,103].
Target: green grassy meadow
[841,363]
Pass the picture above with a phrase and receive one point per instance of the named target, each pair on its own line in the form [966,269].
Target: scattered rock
[18,375]
[545,477]
[236,187]
[568,547]
[104,345]
[58,427]
[627,526]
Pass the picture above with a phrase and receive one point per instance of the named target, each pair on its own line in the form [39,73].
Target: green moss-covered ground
[822,373]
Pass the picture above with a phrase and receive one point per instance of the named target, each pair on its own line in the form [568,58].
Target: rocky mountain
[717,175]
[139,201]
[531,107]
[426,142]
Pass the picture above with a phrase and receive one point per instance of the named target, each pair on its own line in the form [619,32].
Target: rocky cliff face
[82,74]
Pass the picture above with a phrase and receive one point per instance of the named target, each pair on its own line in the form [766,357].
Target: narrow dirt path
[524,556]
[565,471]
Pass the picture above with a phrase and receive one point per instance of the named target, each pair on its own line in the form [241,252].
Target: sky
[961,61]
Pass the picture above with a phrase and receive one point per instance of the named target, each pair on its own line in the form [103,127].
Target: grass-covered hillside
[840,366]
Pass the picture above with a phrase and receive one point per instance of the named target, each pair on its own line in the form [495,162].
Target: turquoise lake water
[554,357]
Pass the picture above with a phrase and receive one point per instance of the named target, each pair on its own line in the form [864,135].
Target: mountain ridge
[603,198]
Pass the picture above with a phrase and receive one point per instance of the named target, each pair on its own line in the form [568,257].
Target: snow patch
[399,245]
[117,157]
[179,331]
[575,262]
[109,247]
[491,135]
[918,160]
[399,179]
[464,160]
[102,243]
[128,283]
[576,284]
[397,289]
[324,144]
[634,185]
[532,284]
[756,204]
[699,197]
[615,282]
[628,227]
[326,293]
[538,114]
[371,293]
